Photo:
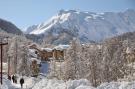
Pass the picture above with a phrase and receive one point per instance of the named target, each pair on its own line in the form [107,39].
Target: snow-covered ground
[44,83]
[28,84]
[80,84]
[60,84]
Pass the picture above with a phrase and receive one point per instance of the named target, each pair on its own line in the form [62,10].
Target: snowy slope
[86,25]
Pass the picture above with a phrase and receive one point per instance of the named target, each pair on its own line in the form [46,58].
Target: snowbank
[60,84]
[80,84]
[6,84]
[117,85]
[85,87]
[73,84]
[112,85]
[127,85]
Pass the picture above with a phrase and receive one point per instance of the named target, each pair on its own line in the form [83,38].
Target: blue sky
[24,13]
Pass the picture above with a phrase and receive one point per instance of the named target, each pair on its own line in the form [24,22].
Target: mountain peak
[61,11]
[85,25]
[67,11]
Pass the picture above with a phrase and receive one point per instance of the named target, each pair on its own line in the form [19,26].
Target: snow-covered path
[28,84]
[17,86]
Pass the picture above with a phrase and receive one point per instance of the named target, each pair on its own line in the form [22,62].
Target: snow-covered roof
[47,49]
[61,47]
[32,52]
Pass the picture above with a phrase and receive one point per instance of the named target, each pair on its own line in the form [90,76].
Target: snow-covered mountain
[87,26]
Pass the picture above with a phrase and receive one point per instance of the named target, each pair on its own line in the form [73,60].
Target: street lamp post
[3,41]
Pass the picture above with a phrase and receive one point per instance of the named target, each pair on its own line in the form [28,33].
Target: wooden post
[1,63]
[1,46]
